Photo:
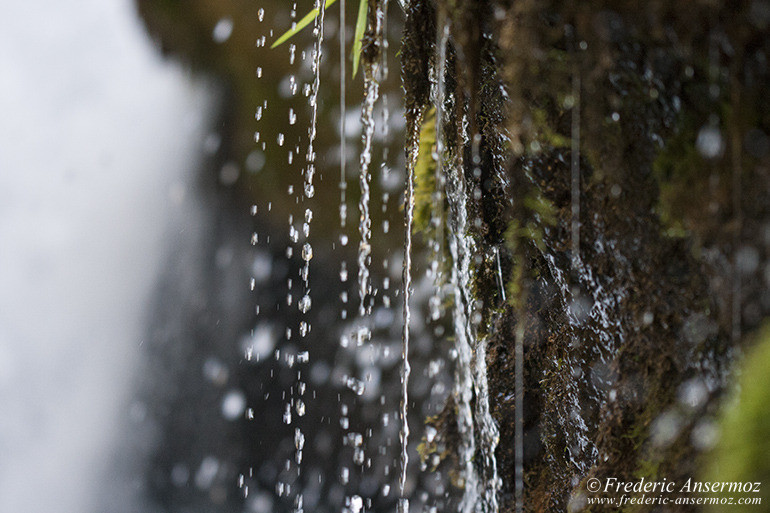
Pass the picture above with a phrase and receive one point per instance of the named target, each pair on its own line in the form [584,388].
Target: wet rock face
[629,342]
[605,352]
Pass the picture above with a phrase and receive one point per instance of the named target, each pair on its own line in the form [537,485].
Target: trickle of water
[413,148]
[488,431]
[463,386]
[305,302]
[371,89]
[343,115]
[437,203]
[461,245]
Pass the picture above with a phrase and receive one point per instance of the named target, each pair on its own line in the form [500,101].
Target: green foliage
[536,213]
[304,22]
[425,174]
[678,168]
[309,17]
[744,444]
[359,34]
[547,135]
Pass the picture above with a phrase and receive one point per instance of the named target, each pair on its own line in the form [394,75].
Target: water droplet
[709,142]
[666,428]
[647,318]
[215,371]
[356,504]
[307,252]
[299,439]
[233,404]
[304,303]
[222,30]
[260,343]
[229,173]
[693,393]
[255,161]
[704,435]
[356,385]
[287,415]
[747,259]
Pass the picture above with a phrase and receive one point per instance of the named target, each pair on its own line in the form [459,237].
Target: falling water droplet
[304,303]
[307,252]
[222,30]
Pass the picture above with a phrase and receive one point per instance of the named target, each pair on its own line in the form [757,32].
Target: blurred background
[101,140]
[148,158]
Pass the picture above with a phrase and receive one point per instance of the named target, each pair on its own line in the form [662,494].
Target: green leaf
[363,7]
[304,22]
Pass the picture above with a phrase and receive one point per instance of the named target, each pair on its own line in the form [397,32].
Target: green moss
[741,454]
[678,167]
[535,212]
[425,174]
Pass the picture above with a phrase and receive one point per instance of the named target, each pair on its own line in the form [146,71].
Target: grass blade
[363,6]
[304,22]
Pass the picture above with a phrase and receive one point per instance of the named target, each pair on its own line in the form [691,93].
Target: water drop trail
[413,147]
[371,91]
[307,249]
[343,103]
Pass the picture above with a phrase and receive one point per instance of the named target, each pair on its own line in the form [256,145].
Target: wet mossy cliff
[624,181]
